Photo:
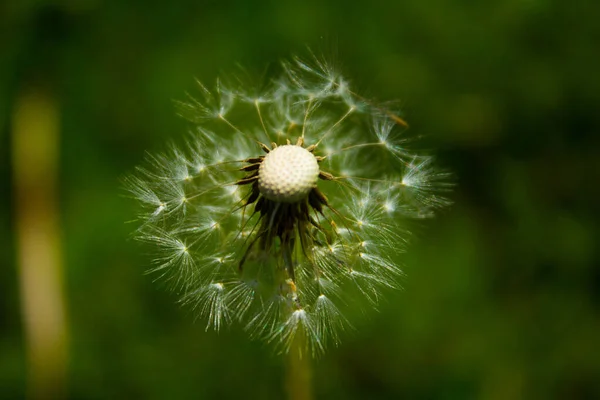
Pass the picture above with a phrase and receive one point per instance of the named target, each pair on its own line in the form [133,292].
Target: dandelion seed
[287,207]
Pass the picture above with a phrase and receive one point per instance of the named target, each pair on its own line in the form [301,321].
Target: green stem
[299,374]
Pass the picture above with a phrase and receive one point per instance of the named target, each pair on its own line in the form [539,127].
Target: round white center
[287,174]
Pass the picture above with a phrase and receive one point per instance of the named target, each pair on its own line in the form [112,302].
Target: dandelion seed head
[287,207]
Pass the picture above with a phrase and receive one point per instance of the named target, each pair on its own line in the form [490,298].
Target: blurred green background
[502,295]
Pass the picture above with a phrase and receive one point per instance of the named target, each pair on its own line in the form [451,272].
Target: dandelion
[287,206]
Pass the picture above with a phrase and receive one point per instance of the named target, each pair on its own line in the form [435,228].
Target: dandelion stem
[298,374]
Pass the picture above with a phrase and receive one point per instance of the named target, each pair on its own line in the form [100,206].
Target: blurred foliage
[502,297]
